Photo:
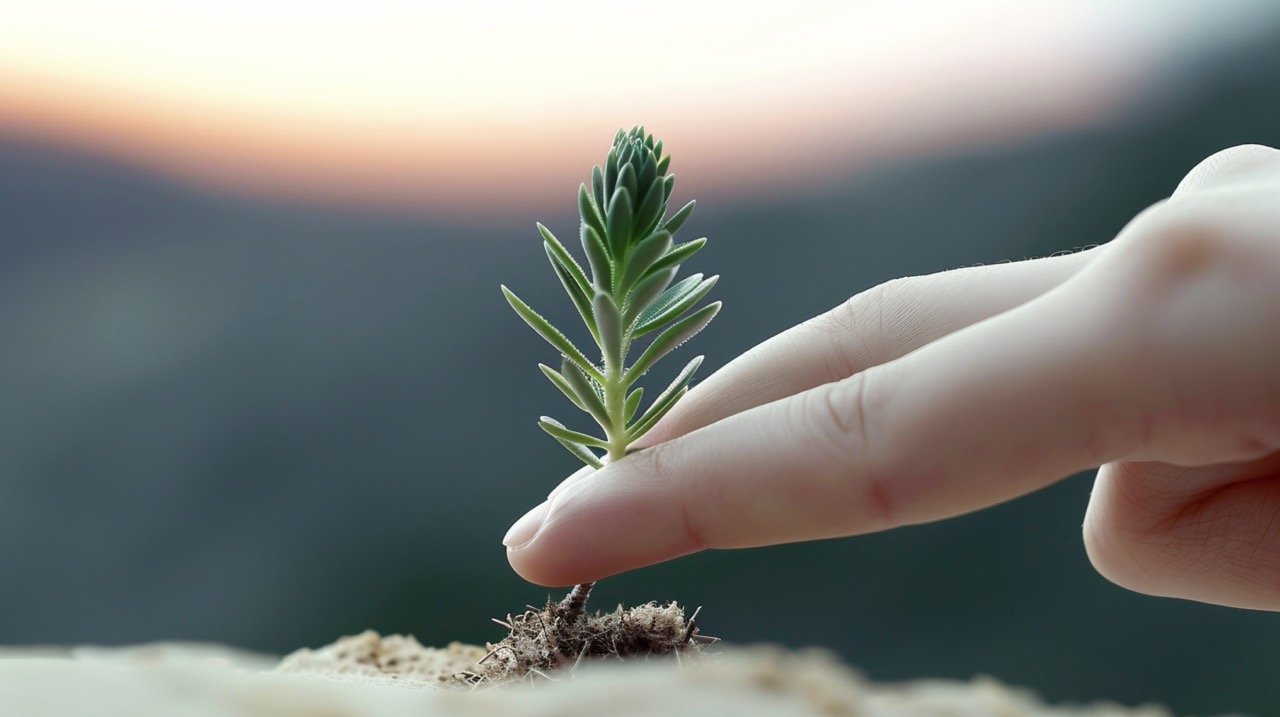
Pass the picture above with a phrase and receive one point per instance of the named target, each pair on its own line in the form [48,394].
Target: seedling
[629,306]
[631,251]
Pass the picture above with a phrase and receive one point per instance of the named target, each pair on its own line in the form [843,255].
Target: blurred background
[258,386]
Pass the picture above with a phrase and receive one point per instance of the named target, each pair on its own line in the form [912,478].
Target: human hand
[1156,357]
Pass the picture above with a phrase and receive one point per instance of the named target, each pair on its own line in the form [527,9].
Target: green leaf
[557,429]
[647,251]
[648,171]
[597,258]
[619,222]
[627,180]
[642,426]
[679,254]
[668,340]
[664,311]
[681,380]
[581,452]
[664,164]
[668,184]
[647,289]
[673,294]
[610,324]
[588,397]
[657,150]
[667,398]
[551,334]
[677,220]
[580,300]
[571,276]
[650,211]
[633,403]
[564,258]
[558,380]
[590,212]
[597,185]
[611,172]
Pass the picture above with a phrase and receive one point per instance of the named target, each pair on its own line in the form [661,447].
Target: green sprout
[630,248]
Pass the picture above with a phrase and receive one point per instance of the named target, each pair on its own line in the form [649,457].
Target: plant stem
[615,398]
[573,604]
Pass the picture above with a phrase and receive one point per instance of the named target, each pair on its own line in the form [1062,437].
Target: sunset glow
[443,106]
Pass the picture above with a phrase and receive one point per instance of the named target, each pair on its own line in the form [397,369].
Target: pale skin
[1154,358]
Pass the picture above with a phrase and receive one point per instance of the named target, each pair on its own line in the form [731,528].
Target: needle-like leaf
[588,396]
[648,251]
[642,427]
[558,380]
[674,293]
[678,219]
[597,185]
[633,403]
[665,313]
[648,172]
[557,429]
[589,211]
[668,340]
[576,294]
[650,210]
[648,289]
[551,334]
[678,254]
[627,180]
[610,324]
[620,221]
[597,258]
[611,173]
[678,384]
[561,256]
[581,452]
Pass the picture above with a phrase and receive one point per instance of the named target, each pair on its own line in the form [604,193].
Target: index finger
[878,325]
[983,415]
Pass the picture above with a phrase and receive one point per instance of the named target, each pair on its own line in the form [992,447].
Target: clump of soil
[539,642]
[562,635]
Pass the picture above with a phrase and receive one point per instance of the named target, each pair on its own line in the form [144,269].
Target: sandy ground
[370,676]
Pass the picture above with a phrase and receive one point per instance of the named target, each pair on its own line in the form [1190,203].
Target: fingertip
[534,572]
[613,522]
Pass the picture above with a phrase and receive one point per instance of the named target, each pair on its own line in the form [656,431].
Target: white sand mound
[370,676]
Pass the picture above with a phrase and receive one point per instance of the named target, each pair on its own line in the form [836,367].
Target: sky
[450,107]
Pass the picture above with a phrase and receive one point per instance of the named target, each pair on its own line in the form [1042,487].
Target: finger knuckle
[850,431]
[1171,245]
[852,327]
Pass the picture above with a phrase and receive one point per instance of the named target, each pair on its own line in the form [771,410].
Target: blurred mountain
[270,425]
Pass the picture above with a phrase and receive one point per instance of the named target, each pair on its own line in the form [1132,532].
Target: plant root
[561,636]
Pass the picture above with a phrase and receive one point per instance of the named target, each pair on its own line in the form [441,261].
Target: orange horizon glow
[468,169]
[784,109]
